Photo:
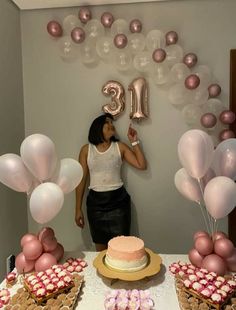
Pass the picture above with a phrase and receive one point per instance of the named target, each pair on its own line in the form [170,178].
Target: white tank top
[104,168]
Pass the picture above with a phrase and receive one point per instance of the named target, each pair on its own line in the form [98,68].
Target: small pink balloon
[192,81]
[58,252]
[22,264]
[219,235]
[159,55]
[26,238]
[120,40]
[227,117]
[214,90]
[78,35]
[214,263]
[223,247]
[45,232]
[208,120]
[200,233]
[32,249]
[135,26]
[54,29]
[190,60]
[171,37]
[84,15]
[49,244]
[195,258]
[231,261]
[226,134]
[107,19]
[45,261]
[204,245]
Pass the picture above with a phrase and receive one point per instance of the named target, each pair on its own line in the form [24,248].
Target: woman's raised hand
[132,134]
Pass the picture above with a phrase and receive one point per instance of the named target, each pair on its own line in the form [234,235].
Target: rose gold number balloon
[117,93]
[139,98]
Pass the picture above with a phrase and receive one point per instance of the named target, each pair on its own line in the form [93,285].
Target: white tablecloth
[92,295]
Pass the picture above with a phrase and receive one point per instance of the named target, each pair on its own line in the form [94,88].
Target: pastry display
[11,278]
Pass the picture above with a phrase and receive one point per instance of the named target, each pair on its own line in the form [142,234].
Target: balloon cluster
[39,252]
[38,173]
[207,177]
[191,87]
[214,253]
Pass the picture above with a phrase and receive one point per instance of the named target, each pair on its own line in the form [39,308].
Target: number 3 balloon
[117,93]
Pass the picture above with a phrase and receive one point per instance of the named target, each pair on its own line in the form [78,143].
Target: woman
[108,203]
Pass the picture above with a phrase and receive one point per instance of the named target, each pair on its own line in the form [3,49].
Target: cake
[126,253]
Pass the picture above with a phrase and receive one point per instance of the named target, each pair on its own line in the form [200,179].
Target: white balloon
[69,23]
[94,29]
[119,26]
[67,49]
[136,42]
[87,52]
[214,106]
[122,59]
[199,96]
[174,54]
[179,72]
[105,48]
[69,175]
[204,73]
[39,155]
[192,114]
[142,62]
[46,202]
[155,39]
[160,73]
[179,95]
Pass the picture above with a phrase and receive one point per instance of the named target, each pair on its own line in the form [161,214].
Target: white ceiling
[43,4]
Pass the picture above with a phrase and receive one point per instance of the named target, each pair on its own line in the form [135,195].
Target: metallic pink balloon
[58,252]
[135,26]
[195,258]
[200,233]
[159,55]
[190,60]
[22,264]
[45,232]
[204,245]
[84,15]
[107,19]
[78,35]
[120,40]
[171,37]
[208,120]
[54,29]
[227,117]
[214,263]
[192,81]
[26,238]
[49,244]
[218,235]
[214,90]
[223,247]
[231,261]
[32,249]
[45,261]
[226,134]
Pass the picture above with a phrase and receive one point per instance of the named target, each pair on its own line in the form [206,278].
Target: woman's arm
[79,217]
[134,156]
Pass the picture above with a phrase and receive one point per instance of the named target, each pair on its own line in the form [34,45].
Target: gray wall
[13,210]
[61,99]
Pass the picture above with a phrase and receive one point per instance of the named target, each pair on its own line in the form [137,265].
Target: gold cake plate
[152,268]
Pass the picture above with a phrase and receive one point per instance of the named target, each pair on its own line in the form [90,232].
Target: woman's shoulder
[122,145]
[84,149]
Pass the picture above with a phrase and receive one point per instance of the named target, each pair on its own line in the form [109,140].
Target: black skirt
[109,214]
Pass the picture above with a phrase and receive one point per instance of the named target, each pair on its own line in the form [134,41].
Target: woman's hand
[79,218]
[132,134]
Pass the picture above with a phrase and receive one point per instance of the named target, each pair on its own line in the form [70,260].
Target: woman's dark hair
[95,131]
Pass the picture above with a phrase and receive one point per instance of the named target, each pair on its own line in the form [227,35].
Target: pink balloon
[214,263]
[32,249]
[22,264]
[223,247]
[49,244]
[107,19]
[45,261]
[200,233]
[192,81]
[58,252]
[214,90]
[210,174]
[120,40]
[204,245]
[208,120]
[45,232]
[190,60]
[226,134]
[231,261]
[54,29]
[227,117]
[218,235]
[195,258]
[171,37]
[78,35]
[135,26]
[26,238]
[84,15]
[159,55]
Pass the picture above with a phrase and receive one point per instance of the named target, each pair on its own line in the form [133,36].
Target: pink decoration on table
[208,120]
[223,247]
[214,90]
[45,261]
[107,19]
[190,60]
[84,15]
[32,249]
[204,245]
[22,264]
[54,29]
[171,37]
[26,238]
[214,263]
[78,35]
[192,81]
[159,55]
[58,252]
[200,233]
[49,244]
[135,26]
[120,40]
[227,117]
[195,257]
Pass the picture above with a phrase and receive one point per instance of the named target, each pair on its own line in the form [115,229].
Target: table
[92,295]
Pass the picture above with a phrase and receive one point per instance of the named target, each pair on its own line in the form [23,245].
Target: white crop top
[104,168]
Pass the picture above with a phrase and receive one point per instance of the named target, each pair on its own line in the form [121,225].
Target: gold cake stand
[152,268]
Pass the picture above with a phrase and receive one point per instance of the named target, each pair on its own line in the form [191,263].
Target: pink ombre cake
[126,253]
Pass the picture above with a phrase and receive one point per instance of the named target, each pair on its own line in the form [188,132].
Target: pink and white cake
[126,253]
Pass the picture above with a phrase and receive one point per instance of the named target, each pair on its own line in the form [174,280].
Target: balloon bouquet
[45,180]
[207,177]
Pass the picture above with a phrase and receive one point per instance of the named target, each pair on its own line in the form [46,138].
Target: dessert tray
[152,268]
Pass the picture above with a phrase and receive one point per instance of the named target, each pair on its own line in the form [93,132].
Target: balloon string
[204,217]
